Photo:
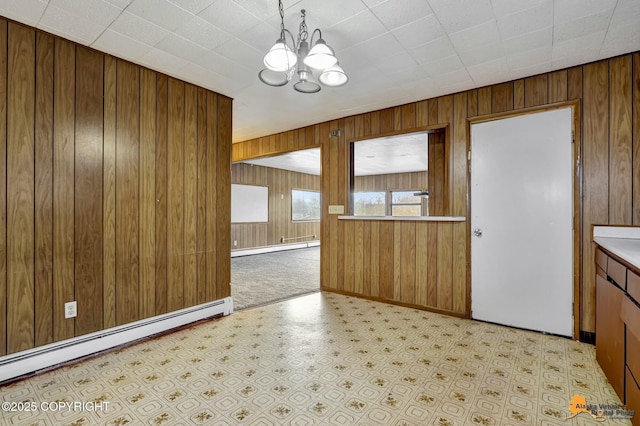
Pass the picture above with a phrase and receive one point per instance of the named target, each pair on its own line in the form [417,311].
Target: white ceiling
[394,51]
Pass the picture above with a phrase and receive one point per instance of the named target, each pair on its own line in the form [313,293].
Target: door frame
[577,197]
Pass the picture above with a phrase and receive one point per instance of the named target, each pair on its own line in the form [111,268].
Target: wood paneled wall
[280,183]
[391,182]
[609,138]
[114,190]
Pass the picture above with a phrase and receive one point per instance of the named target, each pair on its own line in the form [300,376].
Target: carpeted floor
[265,278]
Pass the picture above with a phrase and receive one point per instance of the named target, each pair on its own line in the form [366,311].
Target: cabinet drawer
[632,393]
[630,315]
[618,272]
[633,285]
[601,259]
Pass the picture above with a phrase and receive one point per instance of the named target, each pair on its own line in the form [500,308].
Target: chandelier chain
[302,31]
[281,9]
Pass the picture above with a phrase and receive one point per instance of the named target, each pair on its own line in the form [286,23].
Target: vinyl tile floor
[324,359]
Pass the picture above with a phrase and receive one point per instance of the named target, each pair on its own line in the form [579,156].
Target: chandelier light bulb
[333,76]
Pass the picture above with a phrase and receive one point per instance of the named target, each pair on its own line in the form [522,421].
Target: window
[305,205]
[405,203]
[369,203]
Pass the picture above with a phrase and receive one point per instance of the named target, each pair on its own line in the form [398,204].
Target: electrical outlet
[235,243]
[71,309]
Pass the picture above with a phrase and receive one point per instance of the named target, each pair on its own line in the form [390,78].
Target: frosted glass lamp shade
[333,76]
[280,57]
[321,56]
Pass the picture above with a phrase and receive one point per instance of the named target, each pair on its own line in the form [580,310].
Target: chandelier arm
[313,34]
[294,44]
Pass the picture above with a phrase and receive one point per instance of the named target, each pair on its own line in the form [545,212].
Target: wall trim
[43,357]
[270,249]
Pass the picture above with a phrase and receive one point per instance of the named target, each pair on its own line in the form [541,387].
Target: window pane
[405,197]
[305,205]
[369,203]
[406,210]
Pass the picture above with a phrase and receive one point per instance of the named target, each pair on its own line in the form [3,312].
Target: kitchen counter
[623,242]
[411,218]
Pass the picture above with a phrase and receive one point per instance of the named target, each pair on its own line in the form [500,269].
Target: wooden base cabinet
[610,350]
[618,328]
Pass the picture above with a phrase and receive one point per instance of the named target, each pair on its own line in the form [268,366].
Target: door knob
[477,232]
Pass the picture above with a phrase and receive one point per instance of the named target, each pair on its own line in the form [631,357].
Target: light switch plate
[336,209]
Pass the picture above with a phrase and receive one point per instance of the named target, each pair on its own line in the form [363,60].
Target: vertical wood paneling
[63,198]
[127,193]
[620,141]
[148,103]
[20,188]
[408,262]
[190,195]
[536,90]
[201,241]
[635,84]
[43,189]
[223,212]
[595,171]
[349,257]
[358,265]
[558,86]
[88,190]
[162,82]
[421,263]
[175,195]
[386,260]
[519,94]
[211,194]
[83,183]
[502,97]
[109,194]
[397,260]
[3,185]
[445,267]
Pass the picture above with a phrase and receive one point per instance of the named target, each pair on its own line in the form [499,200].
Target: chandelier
[284,59]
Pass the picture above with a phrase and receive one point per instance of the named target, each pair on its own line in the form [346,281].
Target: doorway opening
[275,228]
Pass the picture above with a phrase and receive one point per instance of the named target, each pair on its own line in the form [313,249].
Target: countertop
[623,242]
[411,218]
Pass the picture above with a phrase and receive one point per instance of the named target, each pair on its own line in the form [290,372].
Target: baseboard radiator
[44,357]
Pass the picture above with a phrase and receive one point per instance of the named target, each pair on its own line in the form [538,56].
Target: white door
[522,220]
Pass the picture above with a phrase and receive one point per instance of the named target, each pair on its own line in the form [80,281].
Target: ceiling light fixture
[283,59]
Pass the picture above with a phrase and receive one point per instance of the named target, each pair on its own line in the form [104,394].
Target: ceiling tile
[434,50]
[120,3]
[471,38]
[135,27]
[570,10]
[203,33]
[396,13]
[181,47]
[380,47]
[525,21]
[321,14]
[161,12]
[442,66]
[479,54]
[533,40]
[457,15]
[621,39]
[419,32]
[193,6]
[78,30]
[239,51]
[487,73]
[228,68]
[356,29]
[261,37]
[160,60]
[112,42]
[530,58]
[259,8]
[229,16]
[581,27]
[626,12]
[508,7]
[586,45]
[100,12]
[27,11]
